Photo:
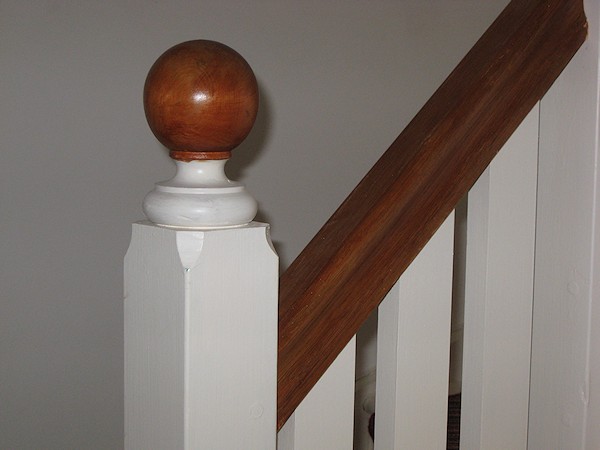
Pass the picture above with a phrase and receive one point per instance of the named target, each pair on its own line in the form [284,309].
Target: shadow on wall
[250,149]
[249,152]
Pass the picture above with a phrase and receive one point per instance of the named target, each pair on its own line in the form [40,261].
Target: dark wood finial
[201,100]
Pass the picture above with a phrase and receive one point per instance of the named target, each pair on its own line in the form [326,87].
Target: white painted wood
[498,296]
[364,403]
[565,406]
[200,196]
[325,418]
[413,345]
[200,339]
[458,297]
[588,59]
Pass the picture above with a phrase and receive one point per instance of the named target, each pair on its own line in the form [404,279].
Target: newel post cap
[201,101]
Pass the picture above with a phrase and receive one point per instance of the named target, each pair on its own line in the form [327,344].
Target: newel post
[200,277]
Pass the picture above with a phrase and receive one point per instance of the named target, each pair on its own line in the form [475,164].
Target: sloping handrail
[359,254]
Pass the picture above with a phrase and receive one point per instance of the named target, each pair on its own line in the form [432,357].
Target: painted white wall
[338,83]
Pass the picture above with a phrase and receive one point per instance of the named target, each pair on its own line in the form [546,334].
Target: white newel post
[201,287]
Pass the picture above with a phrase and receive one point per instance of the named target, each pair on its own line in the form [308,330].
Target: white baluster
[499,296]
[413,345]
[325,418]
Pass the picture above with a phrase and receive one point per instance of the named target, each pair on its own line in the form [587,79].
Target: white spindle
[413,345]
[565,372]
[498,296]
[201,288]
[325,418]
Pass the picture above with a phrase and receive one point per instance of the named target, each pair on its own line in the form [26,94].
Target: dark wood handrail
[358,255]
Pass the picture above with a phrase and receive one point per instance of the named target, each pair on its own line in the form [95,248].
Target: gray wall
[338,80]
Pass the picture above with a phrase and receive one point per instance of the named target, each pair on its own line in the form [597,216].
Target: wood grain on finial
[201,100]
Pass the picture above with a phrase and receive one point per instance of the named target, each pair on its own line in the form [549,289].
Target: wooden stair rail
[358,255]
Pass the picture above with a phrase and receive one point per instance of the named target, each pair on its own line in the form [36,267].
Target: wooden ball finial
[201,100]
